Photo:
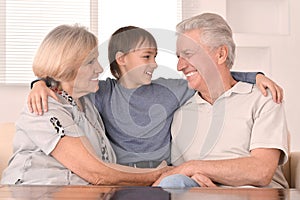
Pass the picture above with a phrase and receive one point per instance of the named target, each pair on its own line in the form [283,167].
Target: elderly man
[228,133]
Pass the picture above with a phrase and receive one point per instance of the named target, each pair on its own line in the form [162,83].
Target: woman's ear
[222,54]
[120,58]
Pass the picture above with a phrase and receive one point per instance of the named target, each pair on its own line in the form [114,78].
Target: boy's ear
[120,58]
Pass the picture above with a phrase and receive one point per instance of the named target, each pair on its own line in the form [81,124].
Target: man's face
[195,60]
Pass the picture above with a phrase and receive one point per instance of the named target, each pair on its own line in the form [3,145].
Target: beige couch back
[7,132]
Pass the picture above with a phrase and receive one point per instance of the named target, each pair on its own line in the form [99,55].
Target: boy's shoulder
[169,81]
[108,81]
[106,84]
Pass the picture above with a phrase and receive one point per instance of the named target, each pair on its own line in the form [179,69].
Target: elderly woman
[67,145]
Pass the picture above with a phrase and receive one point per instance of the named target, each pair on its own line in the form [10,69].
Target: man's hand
[38,98]
[264,82]
[202,180]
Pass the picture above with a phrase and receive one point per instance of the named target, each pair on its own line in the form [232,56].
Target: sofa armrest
[7,132]
[295,169]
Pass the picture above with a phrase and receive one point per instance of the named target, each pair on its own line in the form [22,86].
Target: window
[24,24]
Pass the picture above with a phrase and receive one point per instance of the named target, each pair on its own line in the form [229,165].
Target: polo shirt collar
[238,88]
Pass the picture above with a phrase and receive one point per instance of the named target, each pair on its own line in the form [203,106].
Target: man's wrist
[46,81]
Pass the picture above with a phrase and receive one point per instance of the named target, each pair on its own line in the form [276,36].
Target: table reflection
[147,193]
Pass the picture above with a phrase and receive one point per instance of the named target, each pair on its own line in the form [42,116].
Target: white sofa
[7,130]
[292,170]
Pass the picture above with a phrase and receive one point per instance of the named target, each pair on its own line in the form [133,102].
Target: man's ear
[120,58]
[222,54]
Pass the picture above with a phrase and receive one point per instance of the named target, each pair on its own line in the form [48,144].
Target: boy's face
[139,67]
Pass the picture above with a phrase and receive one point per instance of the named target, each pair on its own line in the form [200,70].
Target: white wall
[283,66]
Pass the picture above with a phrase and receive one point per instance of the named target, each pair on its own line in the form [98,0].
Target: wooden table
[121,193]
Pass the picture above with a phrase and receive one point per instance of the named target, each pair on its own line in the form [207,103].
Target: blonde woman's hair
[63,51]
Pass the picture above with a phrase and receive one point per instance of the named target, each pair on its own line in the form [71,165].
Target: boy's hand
[38,98]
[264,82]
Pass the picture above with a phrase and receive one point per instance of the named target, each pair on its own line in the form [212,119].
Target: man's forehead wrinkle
[187,40]
[189,48]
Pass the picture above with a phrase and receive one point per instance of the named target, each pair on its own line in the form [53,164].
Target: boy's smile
[138,67]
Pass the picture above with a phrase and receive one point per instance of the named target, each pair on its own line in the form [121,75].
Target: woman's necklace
[79,105]
[104,152]
[103,147]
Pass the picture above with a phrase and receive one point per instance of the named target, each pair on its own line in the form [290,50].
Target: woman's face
[86,80]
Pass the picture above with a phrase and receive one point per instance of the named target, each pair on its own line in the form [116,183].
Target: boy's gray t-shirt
[138,121]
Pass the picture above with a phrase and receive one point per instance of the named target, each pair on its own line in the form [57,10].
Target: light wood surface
[106,192]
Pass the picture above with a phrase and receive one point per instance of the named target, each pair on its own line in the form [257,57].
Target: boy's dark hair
[124,40]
